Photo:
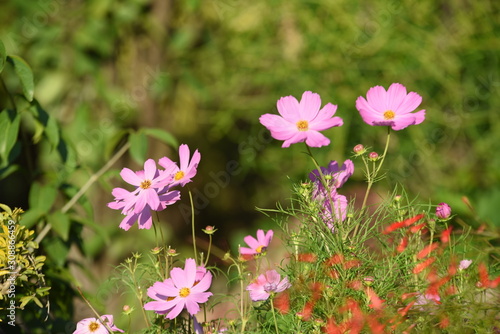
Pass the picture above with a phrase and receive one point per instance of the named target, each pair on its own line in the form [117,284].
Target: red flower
[422,265]
[403,223]
[427,250]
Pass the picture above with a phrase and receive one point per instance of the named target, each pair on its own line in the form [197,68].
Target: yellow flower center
[184,292]
[389,114]
[260,249]
[94,326]
[145,184]
[179,175]
[302,125]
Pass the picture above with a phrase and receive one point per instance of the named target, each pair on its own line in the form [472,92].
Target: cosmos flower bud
[359,149]
[443,211]
[209,230]
[373,156]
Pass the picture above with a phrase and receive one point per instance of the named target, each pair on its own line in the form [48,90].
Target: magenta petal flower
[390,108]
[94,326]
[187,169]
[443,211]
[264,285]
[181,291]
[302,121]
[257,246]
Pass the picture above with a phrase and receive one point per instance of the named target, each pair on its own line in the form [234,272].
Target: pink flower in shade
[94,326]
[339,212]
[185,289]
[464,264]
[267,284]
[443,211]
[390,108]
[257,246]
[335,176]
[302,121]
[186,171]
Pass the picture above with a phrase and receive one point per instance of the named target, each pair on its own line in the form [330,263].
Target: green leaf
[25,300]
[38,302]
[138,147]
[31,217]
[42,196]
[57,250]
[113,142]
[162,135]
[60,224]
[9,128]
[23,71]
[4,172]
[44,123]
[3,56]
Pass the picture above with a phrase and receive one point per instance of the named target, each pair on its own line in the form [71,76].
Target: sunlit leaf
[162,135]
[60,224]
[138,146]
[9,129]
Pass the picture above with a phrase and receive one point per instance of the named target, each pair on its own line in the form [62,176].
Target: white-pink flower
[264,285]
[187,168]
[186,288]
[94,326]
[301,121]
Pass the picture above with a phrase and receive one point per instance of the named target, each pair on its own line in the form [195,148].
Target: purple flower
[94,326]
[443,211]
[302,121]
[187,169]
[267,284]
[335,176]
[186,288]
[257,246]
[392,108]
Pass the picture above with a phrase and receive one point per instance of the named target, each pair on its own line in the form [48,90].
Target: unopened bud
[443,211]
[373,156]
[209,229]
[359,149]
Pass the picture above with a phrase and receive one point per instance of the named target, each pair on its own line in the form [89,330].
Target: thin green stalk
[209,249]
[98,316]
[274,316]
[192,226]
[372,178]
[84,189]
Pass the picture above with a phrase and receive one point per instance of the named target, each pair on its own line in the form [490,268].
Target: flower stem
[85,187]
[274,317]
[209,249]
[93,310]
[192,226]
[371,178]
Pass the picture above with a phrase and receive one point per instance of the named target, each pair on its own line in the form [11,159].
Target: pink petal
[191,306]
[176,310]
[395,96]
[288,107]
[168,164]
[283,285]
[280,128]
[410,103]
[309,106]
[251,241]
[401,122]
[145,220]
[261,237]
[376,97]
[190,270]
[150,169]
[316,139]
[298,137]
[156,306]
[130,177]
[203,284]
[128,221]
[269,237]
[183,156]
[272,276]
[151,197]
[200,297]
[320,125]
[178,277]
[247,251]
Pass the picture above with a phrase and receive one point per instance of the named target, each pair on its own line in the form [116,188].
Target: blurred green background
[206,70]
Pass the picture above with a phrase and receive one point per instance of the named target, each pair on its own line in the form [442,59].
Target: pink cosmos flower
[185,289]
[302,121]
[392,108]
[94,326]
[339,211]
[267,284]
[443,211]
[187,170]
[257,246]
